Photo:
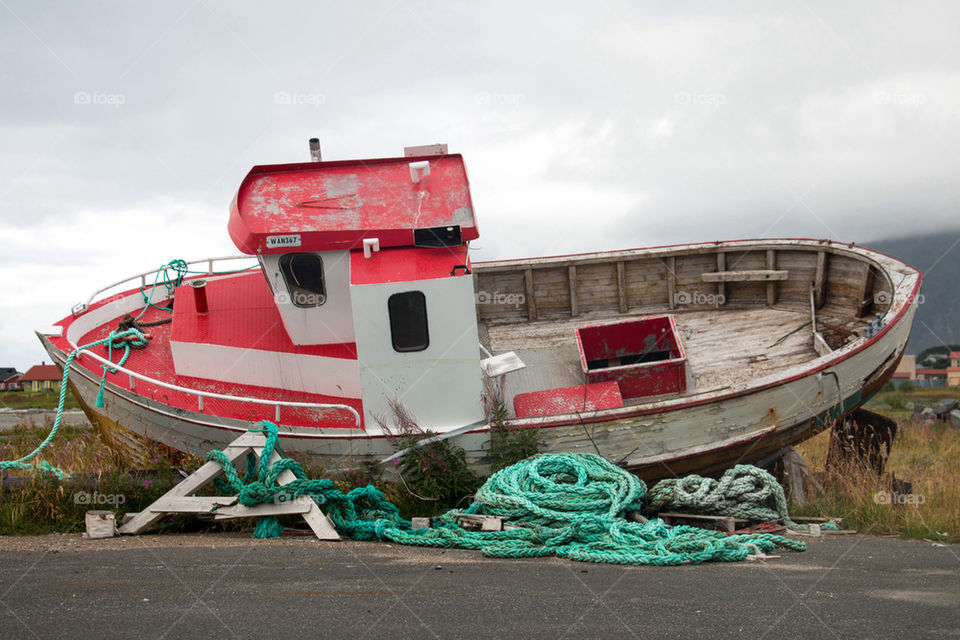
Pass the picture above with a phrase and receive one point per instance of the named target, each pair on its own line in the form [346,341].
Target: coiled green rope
[569,505]
[743,491]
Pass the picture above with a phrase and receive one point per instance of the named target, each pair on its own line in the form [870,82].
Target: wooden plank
[318,522]
[476,522]
[531,298]
[191,504]
[819,279]
[771,286]
[195,481]
[725,523]
[672,281]
[757,275]
[574,307]
[290,507]
[721,286]
[622,286]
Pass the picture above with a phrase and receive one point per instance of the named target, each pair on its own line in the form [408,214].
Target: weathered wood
[290,507]
[191,504]
[721,284]
[574,308]
[866,291]
[622,286]
[672,281]
[188,485]
[420,523]
[758,275]
[179,500]
[724,523]
[531,298]
[771,286]
[316,519]
[476,522]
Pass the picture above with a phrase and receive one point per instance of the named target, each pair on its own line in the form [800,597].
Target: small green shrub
[435,475]
[509,444]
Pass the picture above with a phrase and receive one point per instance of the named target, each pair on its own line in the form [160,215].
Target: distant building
[931,377]
[9,379]
[906,370]
[41,377]
[953,371]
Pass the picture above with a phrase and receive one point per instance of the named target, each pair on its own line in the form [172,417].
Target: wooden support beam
[819,279]
[195,481]
[757,275]
[865,299]
[291,507]
[721,284]
[672,281]
[192,504]
[179,500]
[771,286]
[574,306]
[622,286]
[531,300]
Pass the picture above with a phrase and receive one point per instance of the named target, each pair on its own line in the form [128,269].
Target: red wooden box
[643,355]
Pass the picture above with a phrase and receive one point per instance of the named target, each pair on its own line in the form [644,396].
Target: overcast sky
[126,127]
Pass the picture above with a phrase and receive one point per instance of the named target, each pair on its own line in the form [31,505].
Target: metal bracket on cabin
[466,269]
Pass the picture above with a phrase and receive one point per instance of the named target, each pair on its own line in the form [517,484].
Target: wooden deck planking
[724,347]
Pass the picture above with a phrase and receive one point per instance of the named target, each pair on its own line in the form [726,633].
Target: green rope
[742,492]
[170,282]
[568,505]
[43,466]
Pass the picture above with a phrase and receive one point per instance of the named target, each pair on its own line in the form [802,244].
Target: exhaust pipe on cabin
[315,149]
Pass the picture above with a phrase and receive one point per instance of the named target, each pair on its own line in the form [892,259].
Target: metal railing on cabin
[142,277]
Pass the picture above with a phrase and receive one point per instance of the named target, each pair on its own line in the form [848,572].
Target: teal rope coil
[568,505]
[743,491]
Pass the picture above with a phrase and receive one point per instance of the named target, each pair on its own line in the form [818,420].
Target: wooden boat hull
[703,433]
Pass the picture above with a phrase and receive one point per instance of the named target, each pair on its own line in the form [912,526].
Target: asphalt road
[231,586]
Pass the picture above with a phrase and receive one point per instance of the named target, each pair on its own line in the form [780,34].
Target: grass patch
[926,455]
[38,400]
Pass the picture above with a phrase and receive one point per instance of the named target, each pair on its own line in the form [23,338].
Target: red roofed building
[41,377]
[9,379]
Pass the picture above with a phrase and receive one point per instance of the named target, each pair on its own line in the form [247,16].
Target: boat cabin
[367,263]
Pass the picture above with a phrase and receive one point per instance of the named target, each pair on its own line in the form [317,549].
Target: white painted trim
[339,377]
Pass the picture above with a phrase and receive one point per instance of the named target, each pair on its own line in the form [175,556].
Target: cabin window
[408,321]
[303,273]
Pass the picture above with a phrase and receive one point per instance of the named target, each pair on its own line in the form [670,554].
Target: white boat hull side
[743,423]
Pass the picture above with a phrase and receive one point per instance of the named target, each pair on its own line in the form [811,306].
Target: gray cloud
[583,126]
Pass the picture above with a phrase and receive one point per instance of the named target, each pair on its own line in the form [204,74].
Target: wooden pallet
[723,523]
[180,499]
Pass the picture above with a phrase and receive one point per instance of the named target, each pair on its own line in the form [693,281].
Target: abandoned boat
[360,298]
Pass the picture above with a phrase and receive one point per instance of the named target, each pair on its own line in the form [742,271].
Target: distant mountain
[938,255]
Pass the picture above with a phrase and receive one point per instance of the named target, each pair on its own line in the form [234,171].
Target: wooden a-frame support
[180,499]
